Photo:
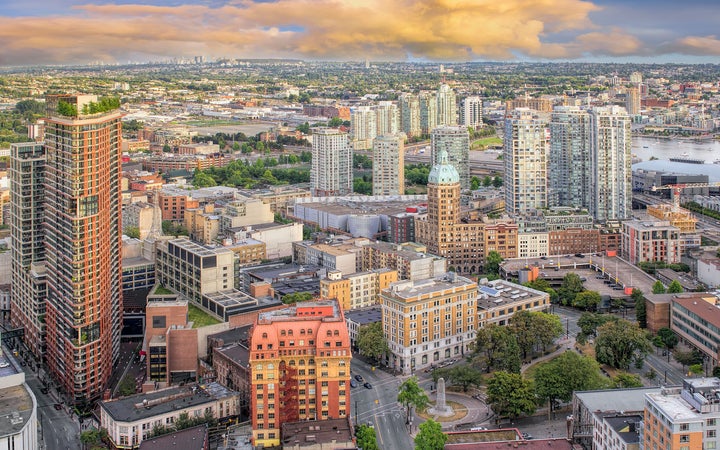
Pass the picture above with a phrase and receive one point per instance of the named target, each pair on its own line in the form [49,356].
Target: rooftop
[365,316]
[626,427]
[314,432]
[16,407]
[303,311]
[411,289]
[501,293]
[150,404]
[187,439]
[628,400]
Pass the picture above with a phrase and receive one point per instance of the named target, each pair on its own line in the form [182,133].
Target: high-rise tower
[446,106]
[471,112]
[28,280]
[569,160]
[363,127]
[409,106]
[388,165]
[387,118]
[428,111]
[83,242]
[332,156]
[611,163]
[455,140]
[525,155]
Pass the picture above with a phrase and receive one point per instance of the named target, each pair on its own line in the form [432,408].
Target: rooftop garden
[200,318]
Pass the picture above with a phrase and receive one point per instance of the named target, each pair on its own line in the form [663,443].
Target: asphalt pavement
[379,408]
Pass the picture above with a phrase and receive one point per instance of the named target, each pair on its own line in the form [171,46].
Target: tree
[498,349]
[589,322]
[675,287]
[716,371]
[686,358]
[497,181]
[335,122]
[366,438]
[463,376]
[534,328]
[430,437]
[411,395]
[668,337]
[658,287]
[295,297]
[559,378]
[202,179]
[510,395]
[640,307]
[492,262]
[127,386]
[571,286]
[543,286]
[625,380]
[695,369]
[620,342]
[474,183]
[587,300]
[183,421]
[371,341]
[132,232]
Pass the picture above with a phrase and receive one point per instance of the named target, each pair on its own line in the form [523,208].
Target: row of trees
[249,175]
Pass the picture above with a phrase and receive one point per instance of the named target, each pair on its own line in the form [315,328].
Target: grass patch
[459,410]
[481,144]
[162,290]
[200,318]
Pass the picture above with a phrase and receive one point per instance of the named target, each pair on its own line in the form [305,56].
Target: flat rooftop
[501,292]
[675,407]
[314,432]
[291,312]
[377,205]
[16,407]
[150,404]
[364,316]
[409,289]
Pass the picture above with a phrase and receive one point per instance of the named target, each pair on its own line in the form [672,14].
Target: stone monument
[441,408]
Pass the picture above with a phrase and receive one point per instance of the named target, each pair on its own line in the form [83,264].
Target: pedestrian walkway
[563,345]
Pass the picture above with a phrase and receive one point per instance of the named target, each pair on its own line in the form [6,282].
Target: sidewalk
[563,345]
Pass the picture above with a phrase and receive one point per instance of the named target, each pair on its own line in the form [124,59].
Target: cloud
[314,29]
[696,45]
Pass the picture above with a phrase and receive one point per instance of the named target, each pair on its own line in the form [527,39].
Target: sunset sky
[36,32]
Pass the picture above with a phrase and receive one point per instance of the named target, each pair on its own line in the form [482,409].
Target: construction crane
[677,189]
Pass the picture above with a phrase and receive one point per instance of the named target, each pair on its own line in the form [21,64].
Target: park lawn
[200,318]
[486,142]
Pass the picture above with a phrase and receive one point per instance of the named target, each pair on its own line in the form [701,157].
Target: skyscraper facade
[446,106]
[388,165]
[611,163]
[28,280]
[387,118]
[363,127]
[409,106]
[471,112]
[428,111]
[569,159]
[455,140]
[632,100]
[526,144]
[332,156]
[83,243]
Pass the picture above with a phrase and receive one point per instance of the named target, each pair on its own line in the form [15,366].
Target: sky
[48,32]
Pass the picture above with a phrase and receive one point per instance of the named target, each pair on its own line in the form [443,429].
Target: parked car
[44,390]
[579,255]
[527,436]
[367,385]
[359,378]
[353,383]
[4,365]
[57,406]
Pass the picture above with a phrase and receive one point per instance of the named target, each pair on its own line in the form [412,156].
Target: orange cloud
[697,45]
[331,29]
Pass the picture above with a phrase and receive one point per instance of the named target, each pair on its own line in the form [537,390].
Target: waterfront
[663,149]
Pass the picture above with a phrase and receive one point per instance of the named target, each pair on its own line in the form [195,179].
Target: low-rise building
[361,317]
[695,318]
[335,434]
[410,262]
[130,420]
[18,408]
[498,300]
[357,290]
[194,438]
[650,241]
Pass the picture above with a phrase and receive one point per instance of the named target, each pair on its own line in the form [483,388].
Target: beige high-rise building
[357,290]
[363,127]
[632,100]
[332,157]
[446,106]
[389,165]
[409,106]
[387,118]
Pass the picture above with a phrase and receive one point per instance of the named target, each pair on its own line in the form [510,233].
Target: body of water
[664,149]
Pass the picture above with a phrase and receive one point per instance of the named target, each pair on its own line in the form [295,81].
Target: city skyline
[78,32]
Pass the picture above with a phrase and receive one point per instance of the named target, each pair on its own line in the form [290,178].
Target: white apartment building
[389,165]
[332,156]
[471,112]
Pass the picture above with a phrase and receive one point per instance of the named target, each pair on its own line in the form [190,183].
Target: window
[684,438]
[684,427]
[158,322]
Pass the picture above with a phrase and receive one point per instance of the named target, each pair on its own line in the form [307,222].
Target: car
[44,390]
[527,436]
[57,406]
[557,269]
[600,277]
[367,385]
[4,365]
[579,255]
[353,383]
[543,257]
[608,282]
[618,288]
[359,378]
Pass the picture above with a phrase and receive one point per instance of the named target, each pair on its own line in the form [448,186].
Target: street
[379,407]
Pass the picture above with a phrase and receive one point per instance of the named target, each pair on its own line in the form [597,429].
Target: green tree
[371,341]
[202,179]
[619,343]
[559,378]
[589,322]
[510,395]
[542,285]
[296,297]
[430,437]
[658,287]
[497,348]
[686,358]
[587,300]
[695,369]
[127,386]
[132,232]
[675,287]
[640,307]
[335,122]
[625,380]
[474,183]
[410,395]
[303,128]
[571,286]
[463,376]
[492,262]
[183,421]
[534,329]
[668,337]
[366,438]
[497,181]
